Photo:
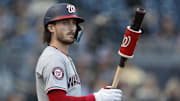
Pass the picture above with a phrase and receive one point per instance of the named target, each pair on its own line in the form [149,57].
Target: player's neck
[60,46]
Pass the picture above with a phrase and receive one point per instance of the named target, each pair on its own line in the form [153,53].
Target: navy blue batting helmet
[61,11]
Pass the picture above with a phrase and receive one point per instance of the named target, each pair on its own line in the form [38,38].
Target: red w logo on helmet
[71,8]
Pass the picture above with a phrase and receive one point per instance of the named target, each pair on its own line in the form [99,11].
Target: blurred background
[152,75]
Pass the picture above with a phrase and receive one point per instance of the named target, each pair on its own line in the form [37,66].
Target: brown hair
[47,34]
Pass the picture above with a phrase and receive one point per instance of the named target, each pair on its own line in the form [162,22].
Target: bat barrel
[138,18]
[135,25]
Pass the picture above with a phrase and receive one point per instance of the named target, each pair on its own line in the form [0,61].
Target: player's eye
[69,22]
[65,22]
[74,22]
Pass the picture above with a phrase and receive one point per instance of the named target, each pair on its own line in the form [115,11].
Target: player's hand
[108,94]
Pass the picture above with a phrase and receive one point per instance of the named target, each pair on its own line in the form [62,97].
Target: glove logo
[58,73]
[126,41]
[71,8]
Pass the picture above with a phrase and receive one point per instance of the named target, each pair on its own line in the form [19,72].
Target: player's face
[65,31]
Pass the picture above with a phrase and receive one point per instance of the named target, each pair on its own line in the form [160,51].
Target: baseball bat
[135,26]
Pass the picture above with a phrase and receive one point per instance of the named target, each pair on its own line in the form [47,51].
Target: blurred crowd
[152,75]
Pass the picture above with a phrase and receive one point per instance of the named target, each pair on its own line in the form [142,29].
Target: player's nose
[72,28]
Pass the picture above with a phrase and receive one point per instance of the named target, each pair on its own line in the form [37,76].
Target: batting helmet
[63,11]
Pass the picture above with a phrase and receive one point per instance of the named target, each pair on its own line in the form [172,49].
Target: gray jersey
[56,70]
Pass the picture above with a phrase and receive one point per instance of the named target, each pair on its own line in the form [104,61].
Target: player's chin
[69,41]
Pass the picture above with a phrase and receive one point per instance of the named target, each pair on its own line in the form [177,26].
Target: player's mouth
[71,35]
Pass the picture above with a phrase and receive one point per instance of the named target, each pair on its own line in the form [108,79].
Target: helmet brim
[79,19]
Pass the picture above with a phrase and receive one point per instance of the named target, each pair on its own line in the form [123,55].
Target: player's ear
[51,28]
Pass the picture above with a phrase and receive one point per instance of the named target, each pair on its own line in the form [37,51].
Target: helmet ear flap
[78,33]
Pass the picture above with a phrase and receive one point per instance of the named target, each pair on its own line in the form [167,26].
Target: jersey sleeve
[54,74]
[58,95]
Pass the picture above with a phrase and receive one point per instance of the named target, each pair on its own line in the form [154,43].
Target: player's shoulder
[50,57]
[51,52]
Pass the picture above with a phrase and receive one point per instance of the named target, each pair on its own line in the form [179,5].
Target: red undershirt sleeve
[60,95]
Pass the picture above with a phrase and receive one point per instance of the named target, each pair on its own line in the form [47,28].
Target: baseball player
[56,76]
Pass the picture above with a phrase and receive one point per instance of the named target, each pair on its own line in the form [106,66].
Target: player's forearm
[59,95]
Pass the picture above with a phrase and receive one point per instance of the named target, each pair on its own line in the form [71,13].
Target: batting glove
[105,94]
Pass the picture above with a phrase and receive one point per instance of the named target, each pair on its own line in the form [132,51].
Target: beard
[65,41]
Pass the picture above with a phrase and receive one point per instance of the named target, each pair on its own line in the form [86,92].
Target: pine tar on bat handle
[129,42]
